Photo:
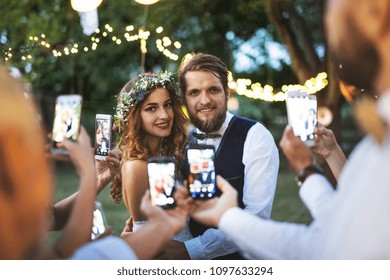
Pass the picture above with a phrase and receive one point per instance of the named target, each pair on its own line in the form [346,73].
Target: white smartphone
[99,221]
[201,175]
[302,115]
[103,132]
[161,172]
[66,121]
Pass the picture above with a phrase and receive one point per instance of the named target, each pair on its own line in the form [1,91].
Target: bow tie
[202,136]
[366,114]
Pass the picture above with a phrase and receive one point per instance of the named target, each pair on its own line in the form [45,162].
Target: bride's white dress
[182,236]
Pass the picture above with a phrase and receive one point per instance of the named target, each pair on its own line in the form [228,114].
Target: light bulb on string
[146,2]
[85,5]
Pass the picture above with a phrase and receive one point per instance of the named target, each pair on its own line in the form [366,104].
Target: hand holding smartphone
[302,115]
[201,176]
[103,129]
[161,173]
[66,121]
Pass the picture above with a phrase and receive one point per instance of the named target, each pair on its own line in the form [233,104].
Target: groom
[246,154]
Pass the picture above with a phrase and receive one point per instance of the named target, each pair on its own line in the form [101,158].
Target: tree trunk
[305,62]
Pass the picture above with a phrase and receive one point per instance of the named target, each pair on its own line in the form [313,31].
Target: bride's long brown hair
[132,140]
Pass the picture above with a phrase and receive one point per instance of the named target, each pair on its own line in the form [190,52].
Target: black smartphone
[162,181]
[66,123]
[201,171]
[99,221]
[302,115]
[103,132]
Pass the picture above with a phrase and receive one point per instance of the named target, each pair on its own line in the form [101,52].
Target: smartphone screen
[66,120]
[201,177]
[302,115]
[103,131]
[99,221]
[161,172]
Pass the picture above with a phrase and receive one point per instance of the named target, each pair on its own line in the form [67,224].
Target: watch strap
[307,171]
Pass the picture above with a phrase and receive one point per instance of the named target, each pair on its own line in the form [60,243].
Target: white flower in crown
[143,84]
[166,76]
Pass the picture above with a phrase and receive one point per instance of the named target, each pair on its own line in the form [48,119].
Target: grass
[287,204]
[66,183]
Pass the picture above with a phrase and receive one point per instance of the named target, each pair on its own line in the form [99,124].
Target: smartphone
[66,123]
[302,115]
[161,173]
[201,171]
[103,132]
[99,221]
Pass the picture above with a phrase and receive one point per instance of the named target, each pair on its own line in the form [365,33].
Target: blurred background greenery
[274,42]
[287,205]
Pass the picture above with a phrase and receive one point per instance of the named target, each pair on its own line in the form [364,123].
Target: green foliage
[287,204]
[200,26]
[288,207]
[66,184]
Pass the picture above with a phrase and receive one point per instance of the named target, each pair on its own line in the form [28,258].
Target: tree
[97,75]
[201,26]
[292,20]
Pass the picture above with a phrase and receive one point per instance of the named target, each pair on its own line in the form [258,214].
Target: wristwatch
[307,171]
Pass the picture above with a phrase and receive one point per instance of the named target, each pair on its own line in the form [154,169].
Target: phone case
[302,115]
[99,221]
[66,122]
[103,135]
[161,173]
[201,171]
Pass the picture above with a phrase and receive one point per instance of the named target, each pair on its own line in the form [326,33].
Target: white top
[107,248]
[261,160]
[352,222]
[182,236]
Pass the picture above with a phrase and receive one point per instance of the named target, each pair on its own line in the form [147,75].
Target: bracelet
[307,171]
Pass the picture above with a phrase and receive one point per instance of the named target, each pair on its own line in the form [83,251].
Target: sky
[248,55]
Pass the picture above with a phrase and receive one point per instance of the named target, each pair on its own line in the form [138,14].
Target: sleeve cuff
[195,249]
[315,191]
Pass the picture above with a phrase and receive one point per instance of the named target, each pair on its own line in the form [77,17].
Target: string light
[245,87]
[163,43]
[131,34]
[147,2]
[85,5]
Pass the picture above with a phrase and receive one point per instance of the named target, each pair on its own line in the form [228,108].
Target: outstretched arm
[209,212]
[327,147]
[105,169]
[256,237]
[211,244]
[78,228]
[161,227]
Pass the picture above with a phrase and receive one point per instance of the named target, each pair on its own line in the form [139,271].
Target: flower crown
[143,85]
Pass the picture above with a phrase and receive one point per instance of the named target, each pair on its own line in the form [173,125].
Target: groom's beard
[210,125]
